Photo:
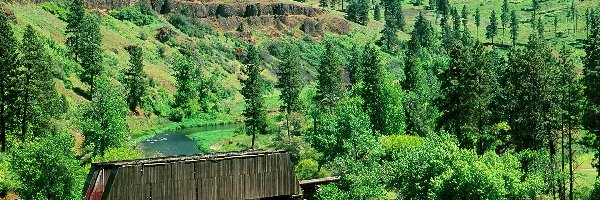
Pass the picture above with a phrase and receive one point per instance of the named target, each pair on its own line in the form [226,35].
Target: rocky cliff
[230,15]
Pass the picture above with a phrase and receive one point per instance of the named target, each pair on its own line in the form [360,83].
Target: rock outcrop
[231,15]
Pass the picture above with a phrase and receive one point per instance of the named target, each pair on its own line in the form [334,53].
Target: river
[177,142]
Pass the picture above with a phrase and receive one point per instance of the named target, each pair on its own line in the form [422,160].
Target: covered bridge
[232,175]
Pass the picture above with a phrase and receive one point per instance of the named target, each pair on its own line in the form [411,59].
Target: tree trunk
[287,121]
[253,138]
[570,162]
[562,161]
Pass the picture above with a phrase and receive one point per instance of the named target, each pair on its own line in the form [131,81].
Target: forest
[407,99]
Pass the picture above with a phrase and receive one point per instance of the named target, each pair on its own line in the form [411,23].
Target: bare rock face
[231,15]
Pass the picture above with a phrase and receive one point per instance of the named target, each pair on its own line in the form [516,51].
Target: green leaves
[103,122]
[46,169]
[254,113]
[135,78]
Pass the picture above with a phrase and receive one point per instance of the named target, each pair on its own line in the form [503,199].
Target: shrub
[59,10]
[6,183]
[122,153]
[190,26]
[308,169]
[165,34]
[140,15]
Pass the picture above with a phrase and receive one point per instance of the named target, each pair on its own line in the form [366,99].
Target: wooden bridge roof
[230,175]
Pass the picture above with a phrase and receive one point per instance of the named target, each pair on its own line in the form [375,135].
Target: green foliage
[89,53]
[39,103]
[514,27]
[187,76]
[595,193]
[591,80]
[422,90]
[394,22]
[73,31]
[191,26]
[6,176]
[309,169]
[332,192]
[290,82]
[358,11]
[437,168]
[492,27]
[377,12]
[255,113]
[423,34]
[140,14]
[469,89]
[58,9]
[120,153]
[46,169]
[330,85]
[135,78]
[103,122]
[8,72]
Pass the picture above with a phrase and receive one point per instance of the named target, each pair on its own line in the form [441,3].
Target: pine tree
[252,90]
[514,27]
[8,72]
[73,31]
[504,17]
[422,89]
[355,68]
[456,22]
[394,22]
[477,21]
[591,80]
[377,12]
[91,50]
[423,35]
[443,7]
[374,100]
[492,28]
[323,3]
[555,22]
[362,12]
[468,88]
[38,102]
[290,83]
[540,28]
[136,80]
[535,5]
[330,86]
[103,122]
[465,18]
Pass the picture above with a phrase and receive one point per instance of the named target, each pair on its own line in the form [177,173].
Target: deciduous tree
[136,79]
[290,83]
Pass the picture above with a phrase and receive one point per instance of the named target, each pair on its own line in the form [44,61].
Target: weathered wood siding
[243,175]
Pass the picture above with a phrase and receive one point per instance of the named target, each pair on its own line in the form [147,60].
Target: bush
[165,34]
[309,169]
[140,15]
[47,169]
[59,10]
[6,182]
[439,169]
[122,153]
[190,26]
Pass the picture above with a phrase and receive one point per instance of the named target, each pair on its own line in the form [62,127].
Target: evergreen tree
[290,83]
[39,100]
[432,4]
[377,12]
[514,27]
[456,22]
[477,20]
[394,22]
[8,72]
[103,122]
[252,90]
[504,17]
[136,79]
[540,28]
[417,2]
[555,25]
[492,27]
[91,50]
[330,86]
[358,11]
[465,17]
[323,3]
[591,80]
[468,89]
[423,35]
[75,20]
[530,97]
[355,67]
[535,5]
[443,7]
[374,100]
[422,89]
